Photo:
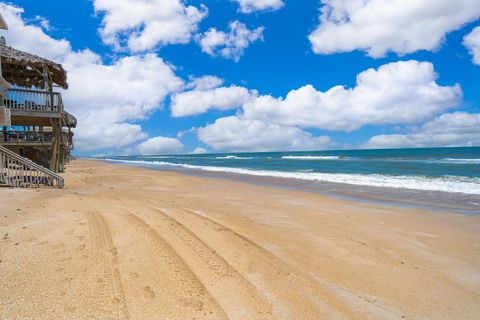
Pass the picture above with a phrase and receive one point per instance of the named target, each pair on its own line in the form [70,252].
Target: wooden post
[55,158]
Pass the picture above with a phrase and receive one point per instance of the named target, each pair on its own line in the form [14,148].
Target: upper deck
[33,107]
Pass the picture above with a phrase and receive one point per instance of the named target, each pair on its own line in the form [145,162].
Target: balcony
[33,103]
[25,138]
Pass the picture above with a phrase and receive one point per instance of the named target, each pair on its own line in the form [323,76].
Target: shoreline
[404,198]
[127,242]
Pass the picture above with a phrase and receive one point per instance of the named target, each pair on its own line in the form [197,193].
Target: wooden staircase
[19,172]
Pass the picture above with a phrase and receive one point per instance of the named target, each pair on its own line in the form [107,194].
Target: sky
[157,77]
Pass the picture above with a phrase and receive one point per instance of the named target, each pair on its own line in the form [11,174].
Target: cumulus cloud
[204,83]
[128,89]
[104,97]
[206,95]
[199,151]
[109,96]
[379,26]
[160,145]
[145,24]
[92,134]
[200,101]
[451,129]
[472,42]
[249,6]
[403,92]
[31,37]
[240,135]
[231,44]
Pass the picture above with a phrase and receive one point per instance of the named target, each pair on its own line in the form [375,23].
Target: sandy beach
[131,243]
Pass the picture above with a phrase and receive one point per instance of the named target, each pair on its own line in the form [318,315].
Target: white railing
[17,171]
[33,100]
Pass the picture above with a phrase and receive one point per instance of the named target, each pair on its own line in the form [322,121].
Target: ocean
[445,175]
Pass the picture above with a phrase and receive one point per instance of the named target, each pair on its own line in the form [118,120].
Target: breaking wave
[234,158]
[455,184]
[313,157]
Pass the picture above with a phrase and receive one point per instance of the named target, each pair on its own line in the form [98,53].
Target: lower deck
[25,138]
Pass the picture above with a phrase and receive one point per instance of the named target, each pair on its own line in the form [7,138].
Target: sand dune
[130,243]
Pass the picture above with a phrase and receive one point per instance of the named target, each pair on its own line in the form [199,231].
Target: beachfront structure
[35,129]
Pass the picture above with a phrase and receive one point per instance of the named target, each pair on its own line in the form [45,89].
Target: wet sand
[131,243]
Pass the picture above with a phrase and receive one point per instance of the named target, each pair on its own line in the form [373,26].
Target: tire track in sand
[352,304]
[159,278]
[294,294]
[106,296]
[238,297]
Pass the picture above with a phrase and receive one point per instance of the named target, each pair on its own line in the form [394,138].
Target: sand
[130,243]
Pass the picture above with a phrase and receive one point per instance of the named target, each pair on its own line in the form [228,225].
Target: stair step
[26,173]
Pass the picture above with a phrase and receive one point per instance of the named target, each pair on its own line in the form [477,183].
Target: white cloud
[108,96]
[229,45]
[400,93]
[379,26]
[160,145]
[204,83]
[404,92]
[249,6]
[128,89]
[44,23]
[146,24]
[104,97]
[451,129]
[240,135]
[199,151]
[472,42]
[199,101]
[31,38]
[93,134]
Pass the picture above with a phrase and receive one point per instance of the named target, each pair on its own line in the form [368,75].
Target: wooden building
[33,120]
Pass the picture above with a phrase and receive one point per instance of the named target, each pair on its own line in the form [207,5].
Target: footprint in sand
[68,279]
[148,292]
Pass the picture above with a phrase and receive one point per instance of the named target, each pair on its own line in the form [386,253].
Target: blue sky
[250,112]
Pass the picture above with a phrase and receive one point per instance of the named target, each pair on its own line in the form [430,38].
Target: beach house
[36,137]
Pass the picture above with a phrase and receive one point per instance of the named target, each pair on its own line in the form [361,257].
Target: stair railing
[17,171]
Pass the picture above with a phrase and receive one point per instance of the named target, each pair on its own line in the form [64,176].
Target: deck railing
[17,171]
[25,137]
[33,100]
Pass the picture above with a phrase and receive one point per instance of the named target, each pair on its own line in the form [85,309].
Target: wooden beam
[35,114]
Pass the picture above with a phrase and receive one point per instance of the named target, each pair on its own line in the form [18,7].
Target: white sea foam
[156,157]
[454,184]
[313,157]
[234,158]
[460,161]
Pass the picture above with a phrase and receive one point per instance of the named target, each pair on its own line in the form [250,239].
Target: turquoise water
[452,170]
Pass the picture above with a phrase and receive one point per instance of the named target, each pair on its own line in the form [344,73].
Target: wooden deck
[33,107]
[25,138]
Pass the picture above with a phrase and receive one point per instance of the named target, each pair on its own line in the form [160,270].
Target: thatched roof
[26,70]
[3,24]
[69,120]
